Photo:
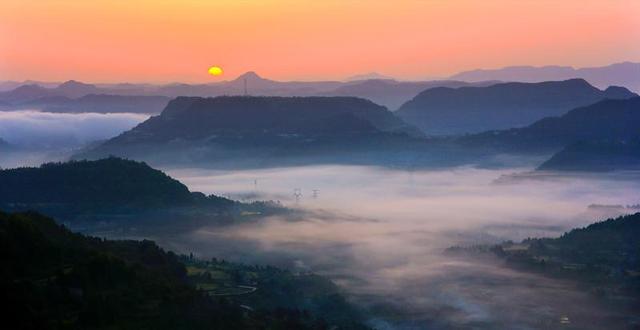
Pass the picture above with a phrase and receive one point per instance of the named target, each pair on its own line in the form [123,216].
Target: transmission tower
[297,193]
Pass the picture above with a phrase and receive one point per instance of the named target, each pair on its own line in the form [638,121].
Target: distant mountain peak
[618,92]
[252,75]
[74,83]
[369,76]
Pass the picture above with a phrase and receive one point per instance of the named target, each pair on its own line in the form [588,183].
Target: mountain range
[373,86]
[466,110]
[101,103]
[387,92]
[615,120]
[97,191]
[53,278]
[275,131]
[232,128]
[596,156]
[625,74]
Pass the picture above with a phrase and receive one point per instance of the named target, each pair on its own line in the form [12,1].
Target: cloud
[380,233]
[44,130]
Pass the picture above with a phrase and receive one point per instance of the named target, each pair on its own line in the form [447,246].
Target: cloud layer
[33,129]
[380,233]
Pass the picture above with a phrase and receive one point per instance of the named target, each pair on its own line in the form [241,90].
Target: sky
[168,41]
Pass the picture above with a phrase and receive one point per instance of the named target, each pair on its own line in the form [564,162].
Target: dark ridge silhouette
[75,89]
[110,182]
[200,117]
[449,111]
[253,129]
[101,103]
[391,93]
[596,156]
[614,120]
[25,93]
[53,278]
[625,74]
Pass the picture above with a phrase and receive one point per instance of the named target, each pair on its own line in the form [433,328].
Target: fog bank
[381,233]
[34,129]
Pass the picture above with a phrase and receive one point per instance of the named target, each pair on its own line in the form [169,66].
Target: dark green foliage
[109,181]
[54,279]
[612,243]
[107,184]
[606,255]
[275,289]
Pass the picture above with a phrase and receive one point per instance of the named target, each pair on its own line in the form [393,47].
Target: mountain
[596,156]
[601,259]
[255,85]
[111,180]
[625,74]
[465,110]
[101,103]
[250,128]
[109,184]
[25,93]
[195,118]
[53,278]
[391,93]
[5,147]
[75,89]
[369,76]
[382,91]
[613,120]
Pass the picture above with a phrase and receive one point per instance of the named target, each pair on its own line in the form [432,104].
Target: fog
[380,234]
[35,129]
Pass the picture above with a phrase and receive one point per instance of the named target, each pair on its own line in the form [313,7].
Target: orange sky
[163,41]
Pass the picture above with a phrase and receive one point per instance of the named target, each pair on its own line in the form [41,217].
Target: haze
[381,234]
[168,41]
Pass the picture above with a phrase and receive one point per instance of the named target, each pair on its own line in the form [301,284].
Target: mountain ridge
[468,110]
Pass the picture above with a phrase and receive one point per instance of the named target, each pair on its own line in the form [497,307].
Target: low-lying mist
[380,234]
[35,129]
[38,137]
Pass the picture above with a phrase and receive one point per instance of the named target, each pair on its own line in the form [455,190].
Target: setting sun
[215,71]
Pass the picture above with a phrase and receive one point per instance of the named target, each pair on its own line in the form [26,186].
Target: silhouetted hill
[75,89]
[388,93]
[599,155]
[101,184]
[52,279]
[25,93]
[201,117]
[601,259]
[369,76]
[625,74]
[391,93]
[110,180]
[101,103]
[614,120]
[5,146]
[604,253]
[30,92]
[255,85]
[449,111]
[250,128]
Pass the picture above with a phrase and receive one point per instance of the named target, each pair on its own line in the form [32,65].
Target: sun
[215,70]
